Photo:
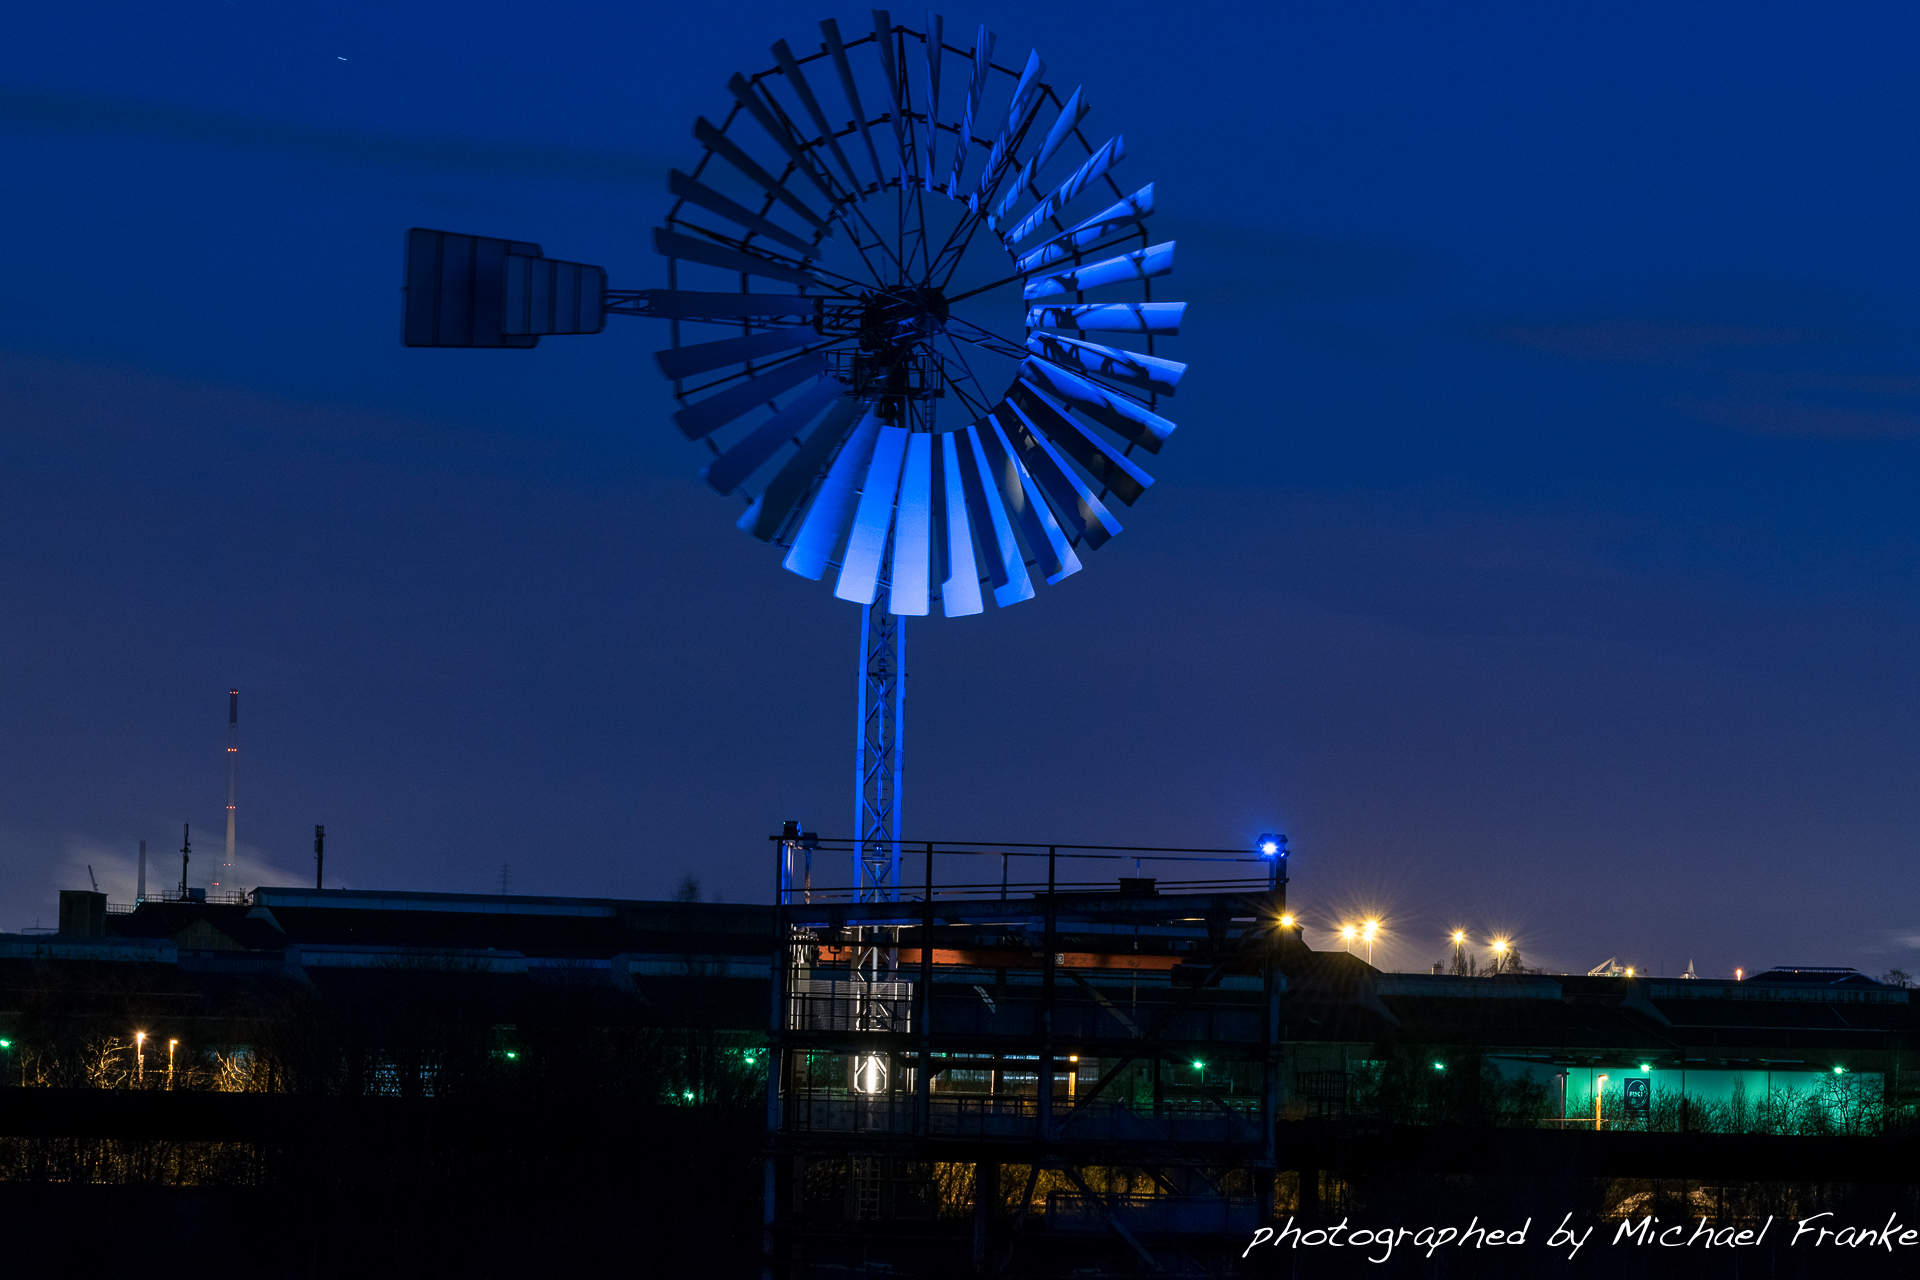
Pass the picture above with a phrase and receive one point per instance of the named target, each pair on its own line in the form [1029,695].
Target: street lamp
[170,1048]
[1347,934]
[1499,954]
[139,1057]
[1367,932]
[1598,1089]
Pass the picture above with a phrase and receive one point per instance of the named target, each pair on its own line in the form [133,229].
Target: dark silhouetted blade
[743,93]
[1006,563]
[701,357]
[704,417]
[794,481]
[731,469]
[1066,492]
[724,147]
[896,106]
[686,304]
[1111,468]
[1119,414]
[804,91]
[930,80]
[1026,502]
[694,191]
[671,244]
[831,31]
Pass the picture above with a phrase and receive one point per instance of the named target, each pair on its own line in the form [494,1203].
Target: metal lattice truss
[843,262]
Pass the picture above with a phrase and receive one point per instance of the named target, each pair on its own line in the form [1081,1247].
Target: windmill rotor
[921,371]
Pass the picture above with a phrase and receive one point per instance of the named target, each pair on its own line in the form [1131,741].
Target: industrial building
[989,1074]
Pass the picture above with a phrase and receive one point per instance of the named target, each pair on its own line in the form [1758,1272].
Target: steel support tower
[878,759]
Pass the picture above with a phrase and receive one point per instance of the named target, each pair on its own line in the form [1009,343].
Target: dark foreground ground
[263,1187]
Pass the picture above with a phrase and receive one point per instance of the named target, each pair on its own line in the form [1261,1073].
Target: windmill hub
[894,320]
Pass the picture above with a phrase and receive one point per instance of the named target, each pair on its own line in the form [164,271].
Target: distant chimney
[225,880]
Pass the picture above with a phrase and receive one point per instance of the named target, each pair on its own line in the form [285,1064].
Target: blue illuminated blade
[960,589]
[703,417]
[1133,368]
[1119,414]
[1026,101]
[790,66]
[1115,217]
[1027,504]
[867,541]
[832,507]
[731,469]
[794,481]
[684,362]
[1110,317]
[1141,264]
[694,191]
[908,574]
[1069,119]
[1066,492]
[930,81]
[686,304]
[830,30]
[976,85]
[1111,152]
[742,91]
[671,244]
[1006,564]
[724,147]
[1107,465]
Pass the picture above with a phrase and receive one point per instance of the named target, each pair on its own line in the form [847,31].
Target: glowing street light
[170,1047]
[1499,954]
[1347,934]
[1599,1088]
[1286,922]
[139,1057]
[1367,933]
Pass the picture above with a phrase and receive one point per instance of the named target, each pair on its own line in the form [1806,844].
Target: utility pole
[140,891]
[186,854]
[319,853]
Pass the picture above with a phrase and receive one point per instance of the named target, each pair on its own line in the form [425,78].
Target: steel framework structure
[1120,1038]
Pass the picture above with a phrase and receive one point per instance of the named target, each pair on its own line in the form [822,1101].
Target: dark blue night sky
[1537,548]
